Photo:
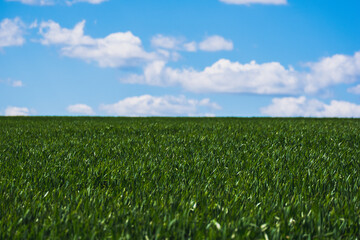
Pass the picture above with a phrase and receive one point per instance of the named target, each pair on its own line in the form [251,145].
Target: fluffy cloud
[87,1]
[210,44]
[354,90]
[34,2]
[17,111]
[148,105]
[16,83]
[121,49]
[223,76]
[11,32]
[115,50]
[13,83]
[167,42]
[81,109]
[332,70]
[53,33]
[190,46]
[53,2]
[248,2]
[267,78]
[216,43]
[303,107]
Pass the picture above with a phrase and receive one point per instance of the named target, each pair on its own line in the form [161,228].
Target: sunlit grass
[179,178]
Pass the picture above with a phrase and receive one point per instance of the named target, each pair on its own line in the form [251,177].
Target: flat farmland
[179,178]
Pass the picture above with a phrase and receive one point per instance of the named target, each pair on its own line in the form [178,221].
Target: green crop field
[179,178]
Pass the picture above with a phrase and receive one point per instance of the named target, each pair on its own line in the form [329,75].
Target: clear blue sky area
[180,58]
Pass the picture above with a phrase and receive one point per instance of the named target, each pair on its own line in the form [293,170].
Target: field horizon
[180,119]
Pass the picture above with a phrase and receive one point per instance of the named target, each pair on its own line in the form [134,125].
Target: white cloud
[354,90]
[167,42]
[210,44]
[53,2]
[34,24]
[332,70]
[216,43]
[173,43]
[303,107]
[147,105]
[248,2]
[13,83]
[119,49]
[53,33]
[34,2]
[267,78]
[17,111]
[16,83]
[11,32]
[81,109]
[86,1]
[190,46]
[223,76]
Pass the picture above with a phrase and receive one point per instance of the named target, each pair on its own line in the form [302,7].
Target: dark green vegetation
[180,178]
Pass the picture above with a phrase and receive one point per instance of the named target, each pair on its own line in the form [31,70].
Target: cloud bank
[11,32]
[17,111]
[119,49]
[216,43]
[303,107]
[80,109]
[354,90]
[210,44]
[86,1]
[248,2]
[225,76]
[147,105]
[53,2]
[122,49]
[12,83]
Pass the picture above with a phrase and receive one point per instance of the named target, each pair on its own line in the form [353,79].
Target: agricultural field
[179,178]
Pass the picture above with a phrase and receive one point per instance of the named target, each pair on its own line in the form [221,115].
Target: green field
[179,178]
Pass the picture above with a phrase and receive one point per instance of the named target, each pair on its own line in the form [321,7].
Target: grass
[179,178]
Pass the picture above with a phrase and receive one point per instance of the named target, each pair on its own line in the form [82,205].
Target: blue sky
[180,58]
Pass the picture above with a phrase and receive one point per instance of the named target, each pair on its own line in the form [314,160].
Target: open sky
[180,57]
